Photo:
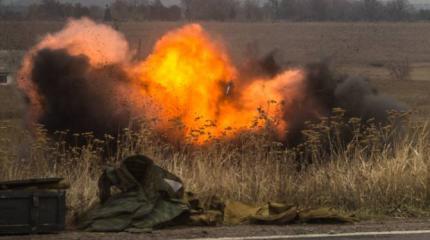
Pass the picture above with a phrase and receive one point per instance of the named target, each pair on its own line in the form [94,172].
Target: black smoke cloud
[81,98]
[78,97]
[355,95]
[324,91]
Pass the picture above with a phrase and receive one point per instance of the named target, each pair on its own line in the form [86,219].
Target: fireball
[188,78]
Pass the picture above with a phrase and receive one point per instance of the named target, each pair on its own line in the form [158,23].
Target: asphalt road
[398,235]
[399,229]
[346,236]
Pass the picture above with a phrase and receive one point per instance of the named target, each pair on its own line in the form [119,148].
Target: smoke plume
[77,96]
[83,79]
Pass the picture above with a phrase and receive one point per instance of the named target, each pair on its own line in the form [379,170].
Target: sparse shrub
[367,175]
[400,70]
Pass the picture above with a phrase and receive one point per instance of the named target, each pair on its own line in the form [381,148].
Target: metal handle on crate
[35,212]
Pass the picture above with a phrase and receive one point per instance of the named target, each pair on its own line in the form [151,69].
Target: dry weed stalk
[400,70]
[376,172]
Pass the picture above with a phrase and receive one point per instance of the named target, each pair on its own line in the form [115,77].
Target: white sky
[85,2]
[166,2]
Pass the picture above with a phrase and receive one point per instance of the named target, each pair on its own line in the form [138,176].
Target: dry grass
[12,106]
[367,176]
[400,70]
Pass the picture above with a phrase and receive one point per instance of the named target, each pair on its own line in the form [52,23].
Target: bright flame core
[188,77]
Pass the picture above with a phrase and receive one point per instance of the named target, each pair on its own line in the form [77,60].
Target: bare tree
[252,10]
[220,10]
[107,17]
[372,9]
[398,10]
[120,10]
[186,8]
[1,8]
[289,9]
[273,9]
[318,9]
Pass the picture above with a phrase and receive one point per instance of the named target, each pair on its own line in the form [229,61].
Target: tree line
[222,10]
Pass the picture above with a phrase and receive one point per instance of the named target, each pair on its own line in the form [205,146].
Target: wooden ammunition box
[32,210]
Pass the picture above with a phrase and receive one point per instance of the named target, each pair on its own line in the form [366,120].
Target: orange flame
[190,77]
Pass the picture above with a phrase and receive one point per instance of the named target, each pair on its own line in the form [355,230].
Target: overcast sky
[85,2]
[166,2]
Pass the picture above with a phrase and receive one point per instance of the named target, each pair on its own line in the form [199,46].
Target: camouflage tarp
[151,197]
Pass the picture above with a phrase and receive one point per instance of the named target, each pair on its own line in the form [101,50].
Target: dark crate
[26,212]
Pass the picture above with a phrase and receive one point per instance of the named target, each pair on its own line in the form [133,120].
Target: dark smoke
[353,94]
[81,98]
[324,91]
[78,97]
[264,66]
[361,100]
[327,90]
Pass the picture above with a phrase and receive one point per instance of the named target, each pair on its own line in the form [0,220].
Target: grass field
[393,180]
[361,43]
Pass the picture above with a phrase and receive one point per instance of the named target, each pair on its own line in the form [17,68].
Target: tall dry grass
[377,173]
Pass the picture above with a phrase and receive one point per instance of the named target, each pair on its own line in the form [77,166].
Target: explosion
[98,44]
[85,79]
[188,77]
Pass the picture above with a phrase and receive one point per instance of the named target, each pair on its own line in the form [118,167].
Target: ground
[244,231]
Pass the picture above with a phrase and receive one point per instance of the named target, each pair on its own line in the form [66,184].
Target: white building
[10,61]
[6,78]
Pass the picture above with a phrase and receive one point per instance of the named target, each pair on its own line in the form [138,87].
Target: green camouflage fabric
[151,197]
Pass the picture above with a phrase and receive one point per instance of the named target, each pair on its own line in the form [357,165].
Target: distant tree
[140,10]
[289,9]
[220,10]
[424,14]
[96,12]
[1,8]
[47,10]
[372,10]
[398,10]
[223,9]
[119,10]
[186,9]
[107,17]
[318,10]
[252,11]
[272,7]
[341,10]
[226,10]
[78,11]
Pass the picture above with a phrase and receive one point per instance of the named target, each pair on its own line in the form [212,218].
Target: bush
[400,70]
